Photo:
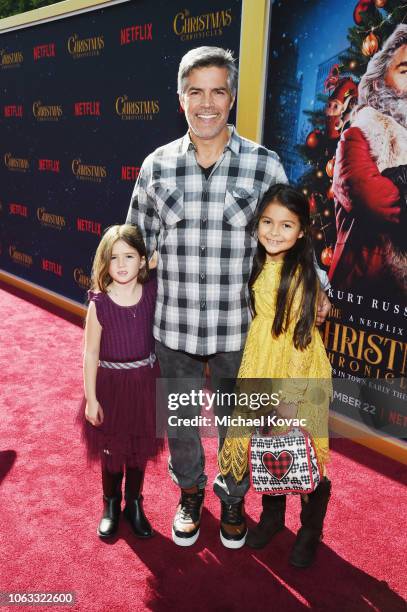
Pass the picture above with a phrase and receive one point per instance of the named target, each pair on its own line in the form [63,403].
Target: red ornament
[313,139]
[361,7]
[326,256]
[330,167]
[370,45]
[312,204]
[330,193]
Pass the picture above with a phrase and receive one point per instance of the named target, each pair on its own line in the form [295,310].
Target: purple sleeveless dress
[127,396]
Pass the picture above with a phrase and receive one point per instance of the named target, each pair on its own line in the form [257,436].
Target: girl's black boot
[112,497]
[312,520]
[133,511]
[272,521]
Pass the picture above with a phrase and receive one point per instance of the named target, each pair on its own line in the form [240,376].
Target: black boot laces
[232,514]
[189,505]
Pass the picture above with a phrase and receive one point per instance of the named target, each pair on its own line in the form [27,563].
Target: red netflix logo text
[136,33]
[18,209]
[51,266]
[13,110]
[130,173]
[42,51]
[49,165]
[87,109]
[86,225]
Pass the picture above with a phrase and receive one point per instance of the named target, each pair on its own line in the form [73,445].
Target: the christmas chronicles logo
[13,110]
[87,109]
[85,47]
[16,164]
[11,60]
[50,112]
[43,51]
[364,353]
[138,110]
[130,173]
[136,33]
[52,220]
[86,225]
[51,266]
[49,165]
[82,279]
[189,27]
[19,257]
[88,172]
[18,209]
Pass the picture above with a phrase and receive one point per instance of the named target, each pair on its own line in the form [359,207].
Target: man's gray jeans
[187,458]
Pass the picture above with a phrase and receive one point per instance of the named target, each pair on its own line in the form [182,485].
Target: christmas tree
[374,21]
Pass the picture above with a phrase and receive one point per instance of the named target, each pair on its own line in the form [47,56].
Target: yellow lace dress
[304,375]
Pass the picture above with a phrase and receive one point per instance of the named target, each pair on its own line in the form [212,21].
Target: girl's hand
[324,306]
[94,413]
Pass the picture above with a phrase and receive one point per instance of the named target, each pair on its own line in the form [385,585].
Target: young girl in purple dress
[119,371]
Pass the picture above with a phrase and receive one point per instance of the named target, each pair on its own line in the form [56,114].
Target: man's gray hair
[203,57]
[373,79]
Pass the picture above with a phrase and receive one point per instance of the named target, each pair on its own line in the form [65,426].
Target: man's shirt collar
[233,143]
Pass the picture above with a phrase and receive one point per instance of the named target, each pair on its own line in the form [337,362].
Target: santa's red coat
[366,206]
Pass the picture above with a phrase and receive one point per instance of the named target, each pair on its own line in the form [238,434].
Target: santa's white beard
[389,102]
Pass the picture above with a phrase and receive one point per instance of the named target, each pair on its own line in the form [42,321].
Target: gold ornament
[370,45]
[330,167]
[380,3]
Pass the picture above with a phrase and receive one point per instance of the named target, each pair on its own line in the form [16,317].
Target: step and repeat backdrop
[84,100]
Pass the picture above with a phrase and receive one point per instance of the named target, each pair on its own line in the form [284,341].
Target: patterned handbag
[282,464]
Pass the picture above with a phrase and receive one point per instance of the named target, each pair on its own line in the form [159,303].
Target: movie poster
[336,113]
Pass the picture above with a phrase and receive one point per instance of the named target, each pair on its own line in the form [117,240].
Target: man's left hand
[324,306]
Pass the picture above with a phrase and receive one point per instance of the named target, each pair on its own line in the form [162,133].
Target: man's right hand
[94,413]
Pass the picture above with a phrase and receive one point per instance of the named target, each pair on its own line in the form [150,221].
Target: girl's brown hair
[132,236]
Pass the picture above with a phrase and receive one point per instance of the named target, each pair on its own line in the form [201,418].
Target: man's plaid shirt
[200,228]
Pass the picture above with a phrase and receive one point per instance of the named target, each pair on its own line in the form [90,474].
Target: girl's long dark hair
[298,270]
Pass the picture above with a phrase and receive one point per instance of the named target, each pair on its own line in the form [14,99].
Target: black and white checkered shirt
[200,229]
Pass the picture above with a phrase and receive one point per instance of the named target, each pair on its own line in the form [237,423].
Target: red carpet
[50,504]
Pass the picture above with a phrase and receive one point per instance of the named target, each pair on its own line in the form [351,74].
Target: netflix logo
[136,33]
[18,209]
[130,173]
[49,165]
[42,51]
[85,225]
[13,110]
[87,109]
[51,266]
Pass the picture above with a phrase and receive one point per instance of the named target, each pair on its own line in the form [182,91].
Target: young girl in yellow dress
[284,343]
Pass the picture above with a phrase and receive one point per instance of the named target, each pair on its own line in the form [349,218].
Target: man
[194,200]
[370,180]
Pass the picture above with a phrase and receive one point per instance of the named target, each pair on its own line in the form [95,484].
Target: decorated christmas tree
[374,21]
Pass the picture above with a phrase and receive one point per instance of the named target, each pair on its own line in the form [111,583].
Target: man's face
[207,101]
[396,75]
